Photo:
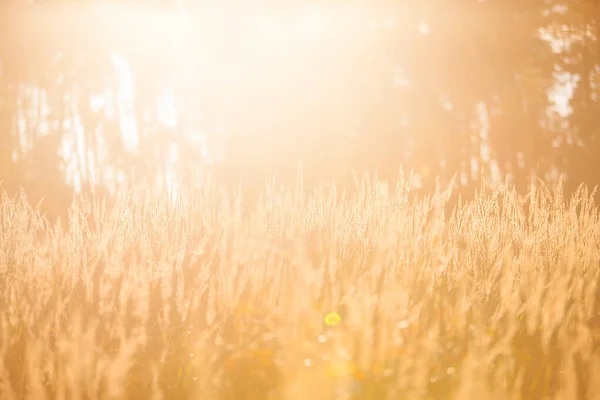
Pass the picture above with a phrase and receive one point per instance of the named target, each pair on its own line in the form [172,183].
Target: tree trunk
[7,139]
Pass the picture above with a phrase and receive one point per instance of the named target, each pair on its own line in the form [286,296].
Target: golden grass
[146,299]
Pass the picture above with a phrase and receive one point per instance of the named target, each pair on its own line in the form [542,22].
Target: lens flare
[332,319]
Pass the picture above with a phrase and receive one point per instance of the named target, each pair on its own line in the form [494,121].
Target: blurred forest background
[96,94]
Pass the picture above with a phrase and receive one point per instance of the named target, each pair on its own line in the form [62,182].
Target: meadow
[376,295]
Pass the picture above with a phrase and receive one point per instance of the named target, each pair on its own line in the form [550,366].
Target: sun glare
[258,59]
[278,64]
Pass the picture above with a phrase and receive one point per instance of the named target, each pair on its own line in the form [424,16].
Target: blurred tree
[579,58]
[443,89]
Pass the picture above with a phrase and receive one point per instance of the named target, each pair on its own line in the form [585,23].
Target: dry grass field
[303,296]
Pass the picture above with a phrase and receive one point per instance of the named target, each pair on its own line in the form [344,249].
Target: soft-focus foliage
[203,299]
[441,87]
